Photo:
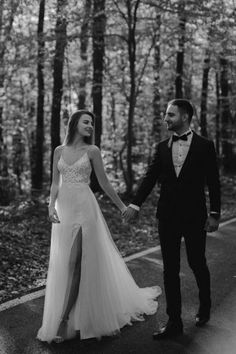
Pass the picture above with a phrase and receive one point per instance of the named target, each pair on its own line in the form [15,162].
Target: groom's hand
[211,224]
[130,214]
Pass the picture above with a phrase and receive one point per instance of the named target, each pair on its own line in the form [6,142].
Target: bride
[89,287]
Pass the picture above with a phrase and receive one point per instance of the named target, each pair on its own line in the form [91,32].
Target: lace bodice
[78,172]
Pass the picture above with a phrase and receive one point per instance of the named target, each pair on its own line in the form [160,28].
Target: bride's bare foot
[61,332]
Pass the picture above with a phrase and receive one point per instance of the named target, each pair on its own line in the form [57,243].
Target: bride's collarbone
[71,155]
[75,150]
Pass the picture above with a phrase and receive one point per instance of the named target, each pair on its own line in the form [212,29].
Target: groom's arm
[149,180]
[147,184]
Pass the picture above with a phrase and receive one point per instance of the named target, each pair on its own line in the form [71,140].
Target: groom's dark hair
[184,106]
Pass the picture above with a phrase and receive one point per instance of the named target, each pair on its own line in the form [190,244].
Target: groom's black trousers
[170,234]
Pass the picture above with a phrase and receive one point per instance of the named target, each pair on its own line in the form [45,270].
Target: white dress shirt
[180,149]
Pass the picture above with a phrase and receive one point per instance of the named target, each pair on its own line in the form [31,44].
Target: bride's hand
[52,215]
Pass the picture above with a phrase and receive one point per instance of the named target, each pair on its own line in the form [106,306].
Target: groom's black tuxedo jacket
[183,196]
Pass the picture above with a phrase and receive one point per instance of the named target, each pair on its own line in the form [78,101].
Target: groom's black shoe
[201,319]
[172,329]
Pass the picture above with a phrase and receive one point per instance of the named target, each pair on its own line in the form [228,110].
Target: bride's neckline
[77,160]
[69,165]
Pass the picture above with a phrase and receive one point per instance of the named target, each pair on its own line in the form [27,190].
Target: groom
[183,165]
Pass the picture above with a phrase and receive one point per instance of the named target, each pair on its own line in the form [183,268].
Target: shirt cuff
[215,214]
[134,207]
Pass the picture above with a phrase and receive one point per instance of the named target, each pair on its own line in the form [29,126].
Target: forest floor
[25,237]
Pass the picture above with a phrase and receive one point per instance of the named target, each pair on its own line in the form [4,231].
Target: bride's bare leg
[73,283]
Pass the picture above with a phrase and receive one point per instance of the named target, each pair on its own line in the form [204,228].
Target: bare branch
[120,11]
[144,65]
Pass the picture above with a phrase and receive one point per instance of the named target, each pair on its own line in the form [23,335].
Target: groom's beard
[172,127]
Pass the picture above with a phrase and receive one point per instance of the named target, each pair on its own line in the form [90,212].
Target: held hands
[129,214]
[123,211]
[211,224]
[52,215]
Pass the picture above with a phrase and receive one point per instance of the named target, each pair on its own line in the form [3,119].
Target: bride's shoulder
[94,153]
[58,150]
[93,150]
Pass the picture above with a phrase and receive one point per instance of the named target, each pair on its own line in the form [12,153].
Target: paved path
[19,322]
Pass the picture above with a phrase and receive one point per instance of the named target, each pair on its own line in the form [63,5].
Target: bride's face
[85,126]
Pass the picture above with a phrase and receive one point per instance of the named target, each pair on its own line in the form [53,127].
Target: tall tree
[217,115]
[156,84]
[128,11]
[84,38]
[98,29]
[18,156]
[37,171]
[204,94]
[58,64]
[226,118]
[7,14]
[132,22]
[181,49]
[98,40]
[130,17]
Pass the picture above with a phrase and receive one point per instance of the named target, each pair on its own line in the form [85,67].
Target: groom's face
[174,119]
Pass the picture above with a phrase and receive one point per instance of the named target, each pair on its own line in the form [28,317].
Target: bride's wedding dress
[108,296]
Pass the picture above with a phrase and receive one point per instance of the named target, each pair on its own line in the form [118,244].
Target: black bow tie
[182,137]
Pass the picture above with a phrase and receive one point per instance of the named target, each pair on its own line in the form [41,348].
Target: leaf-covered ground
[25,237]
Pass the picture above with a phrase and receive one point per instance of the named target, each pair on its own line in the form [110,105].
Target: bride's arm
[96,158]
[54,186]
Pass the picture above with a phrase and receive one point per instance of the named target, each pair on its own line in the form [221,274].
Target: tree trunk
[37,176]
[132,21]
[84,36]
[227,149]
[6,21]
[98,29]
[203,114]
[31,137]
[18,156]
[2,51]
[58,64]
[180,52]
[7,14]
[217,117]
[114,127]
[156,86]
[99,25]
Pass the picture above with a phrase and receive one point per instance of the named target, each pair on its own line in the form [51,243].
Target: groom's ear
[185,117]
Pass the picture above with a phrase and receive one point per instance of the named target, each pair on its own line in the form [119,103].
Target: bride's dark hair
[72,127]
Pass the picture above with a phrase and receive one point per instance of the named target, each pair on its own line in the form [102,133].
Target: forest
[123,60]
